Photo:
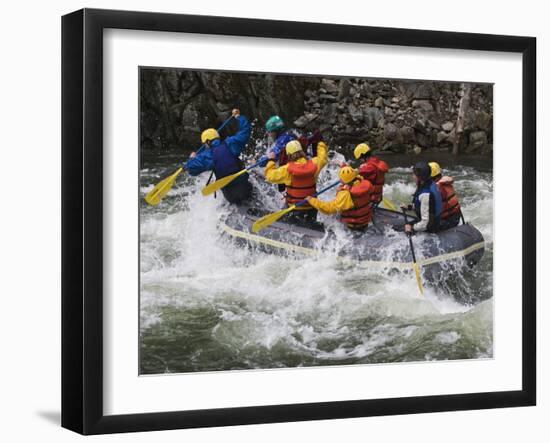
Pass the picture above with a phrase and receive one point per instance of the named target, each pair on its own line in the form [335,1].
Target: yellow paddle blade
[266,220]
[388,204]
[418,280]
[218,184]
[161,189]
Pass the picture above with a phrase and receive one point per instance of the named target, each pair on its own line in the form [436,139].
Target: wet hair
[296,156]
[366,154]
[422,170]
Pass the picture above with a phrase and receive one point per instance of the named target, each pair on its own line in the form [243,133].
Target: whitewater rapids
[206,304]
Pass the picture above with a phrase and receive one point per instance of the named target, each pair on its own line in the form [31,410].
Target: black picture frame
[82,215]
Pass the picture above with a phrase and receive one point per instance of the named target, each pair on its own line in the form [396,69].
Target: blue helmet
[274,124]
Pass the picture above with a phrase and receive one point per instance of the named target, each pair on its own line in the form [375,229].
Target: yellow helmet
[360,149]
[209,134]
[347,174]
[292,147]
[436,169]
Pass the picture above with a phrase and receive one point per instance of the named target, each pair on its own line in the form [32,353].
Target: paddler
[278,137]
[372,169]
[299,175]
[450,210]
[353,200]
[222,157]
[426,200]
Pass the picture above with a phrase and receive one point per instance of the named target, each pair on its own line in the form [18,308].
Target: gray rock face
[426,140]
[442,136]
[327,97]
[176,105]
[425,105]
[372,117]
[305,120]
[355,113]
[329,85]
[390,131]
[418,90]
[344,89]
[379,102]
[406,135]
[448,126]
[478,141]
[482,120]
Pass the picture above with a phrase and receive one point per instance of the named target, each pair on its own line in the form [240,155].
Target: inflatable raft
[383,244]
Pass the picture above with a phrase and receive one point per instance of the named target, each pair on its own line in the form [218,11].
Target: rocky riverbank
[392,115]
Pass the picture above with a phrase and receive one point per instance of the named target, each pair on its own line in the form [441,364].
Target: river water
[207,305]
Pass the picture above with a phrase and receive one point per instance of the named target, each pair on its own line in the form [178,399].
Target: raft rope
[384,264]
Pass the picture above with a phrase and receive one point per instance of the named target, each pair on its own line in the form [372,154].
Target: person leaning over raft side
[353,200]
[450,209]
[426,200]
[372,169]
[299,175]
[222,157]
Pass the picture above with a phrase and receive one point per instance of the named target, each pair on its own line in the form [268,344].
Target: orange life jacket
[361,214]
[374,171]
[450,204]
[302,184]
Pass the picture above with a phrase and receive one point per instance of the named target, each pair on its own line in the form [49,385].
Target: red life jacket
[450,204]
[374,171]
[361,214]
[302,184]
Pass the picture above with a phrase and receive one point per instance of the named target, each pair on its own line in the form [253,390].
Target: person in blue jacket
[427,201]
[222,157]
[278,136]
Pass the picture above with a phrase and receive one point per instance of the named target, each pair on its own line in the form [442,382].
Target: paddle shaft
[254,165]
[303,202]
[223,125]
[409,236]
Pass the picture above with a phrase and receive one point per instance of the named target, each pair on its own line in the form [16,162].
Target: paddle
[154,196]
[268,219]
[224,181]
[388,204]
[161,189]
[415,264]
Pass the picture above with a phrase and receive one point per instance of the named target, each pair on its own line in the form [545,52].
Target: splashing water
[207,304]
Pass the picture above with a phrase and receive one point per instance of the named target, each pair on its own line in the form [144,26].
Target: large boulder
[355,113]
[305,120]
[425,105]
[372,117]
[417,90]
[344,89]
[426,140]
[390,131]
[379,102]
[448,126]
[330,85]
[406,134]
[478,141]
[481,120]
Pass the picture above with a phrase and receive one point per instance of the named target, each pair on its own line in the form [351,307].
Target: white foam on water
[314,307]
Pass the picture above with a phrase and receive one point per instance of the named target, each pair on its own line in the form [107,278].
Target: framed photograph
[269,221]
